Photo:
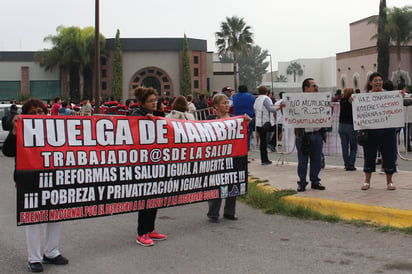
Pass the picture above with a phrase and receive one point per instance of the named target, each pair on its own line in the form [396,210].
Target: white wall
[322,70]
[135,61]
[11,71]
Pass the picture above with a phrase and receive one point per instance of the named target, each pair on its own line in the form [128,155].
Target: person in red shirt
[56,106]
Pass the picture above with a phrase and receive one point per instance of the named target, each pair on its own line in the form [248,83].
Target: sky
[289,30]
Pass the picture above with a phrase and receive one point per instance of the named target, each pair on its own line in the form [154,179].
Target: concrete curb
[353,211]
[376,215]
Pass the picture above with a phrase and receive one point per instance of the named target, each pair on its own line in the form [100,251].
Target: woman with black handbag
[265,122]
[347,133]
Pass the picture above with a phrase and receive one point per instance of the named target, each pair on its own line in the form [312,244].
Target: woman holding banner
[383,139]
[33,232]
[147,98]
[222,107]
[180,109]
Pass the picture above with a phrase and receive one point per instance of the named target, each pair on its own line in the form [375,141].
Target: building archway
[400,77]
[356,81]
[153,77]
[343,81]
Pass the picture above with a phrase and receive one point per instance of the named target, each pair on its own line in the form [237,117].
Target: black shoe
[351,168]
[230,217]
[301,188]
[35,267]
[60,260]
[266,163]
[318,186]
[213,219]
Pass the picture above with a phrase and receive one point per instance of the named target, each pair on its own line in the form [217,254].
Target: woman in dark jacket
[346,132]
[51,253]
[147,98]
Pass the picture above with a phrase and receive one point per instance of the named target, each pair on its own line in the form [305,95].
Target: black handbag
[268,127]
[362,137]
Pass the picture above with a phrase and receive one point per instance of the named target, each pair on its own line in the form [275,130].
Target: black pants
[146,221]
[263,143]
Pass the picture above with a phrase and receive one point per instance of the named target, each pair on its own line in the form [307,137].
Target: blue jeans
[349,146]
[315,157]
[250,129]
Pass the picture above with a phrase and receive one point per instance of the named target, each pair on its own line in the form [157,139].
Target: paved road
[256,243]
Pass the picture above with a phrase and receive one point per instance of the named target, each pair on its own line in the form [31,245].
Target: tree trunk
[235,72]
[81,82]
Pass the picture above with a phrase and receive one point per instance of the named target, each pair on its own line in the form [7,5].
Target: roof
[157,44]
[17,56]
[128,44]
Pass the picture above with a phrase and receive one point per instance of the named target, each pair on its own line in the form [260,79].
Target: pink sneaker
[144,240]
[156,236]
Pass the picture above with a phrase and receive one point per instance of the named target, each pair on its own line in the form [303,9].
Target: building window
[103,61]
[196,84]
[104,73]
[195,59]
[104,85]
[356,82]
[195,72]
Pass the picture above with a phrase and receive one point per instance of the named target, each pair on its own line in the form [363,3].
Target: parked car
[4,110]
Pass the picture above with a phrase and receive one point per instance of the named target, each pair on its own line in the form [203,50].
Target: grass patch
[271,203]
[406,230]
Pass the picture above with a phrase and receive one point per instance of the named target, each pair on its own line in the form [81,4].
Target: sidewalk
[343,196]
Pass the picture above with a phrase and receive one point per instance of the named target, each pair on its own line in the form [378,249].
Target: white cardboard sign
[307,110]
[378,110]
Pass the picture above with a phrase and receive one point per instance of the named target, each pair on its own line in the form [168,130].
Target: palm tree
[281,78]
[73,49]
[234,37]
[295,69]
[383,41]
[399,29]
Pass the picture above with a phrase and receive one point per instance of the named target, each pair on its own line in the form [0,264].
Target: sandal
[365,186]
[391,186]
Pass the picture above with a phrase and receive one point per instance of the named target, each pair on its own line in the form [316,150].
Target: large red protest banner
[80,167]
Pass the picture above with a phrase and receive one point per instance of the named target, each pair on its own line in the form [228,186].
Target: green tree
[252,66]
[117,68]
[296,69]
[399,29]
[234,37]
[382,40]
[72,50]
[281,78]
[186,85]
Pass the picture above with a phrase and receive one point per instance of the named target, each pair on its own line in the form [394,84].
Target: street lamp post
[271,71]
[97,59]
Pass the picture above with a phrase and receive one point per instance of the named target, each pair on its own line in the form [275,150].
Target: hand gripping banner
[81,167]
